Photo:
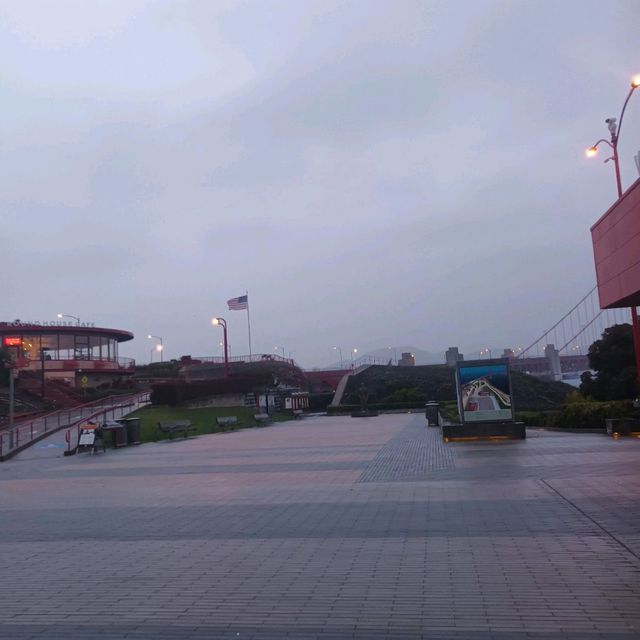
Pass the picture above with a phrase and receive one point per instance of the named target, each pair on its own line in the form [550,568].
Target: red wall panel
[616,251]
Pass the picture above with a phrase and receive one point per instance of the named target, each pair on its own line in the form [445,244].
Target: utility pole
[12,372]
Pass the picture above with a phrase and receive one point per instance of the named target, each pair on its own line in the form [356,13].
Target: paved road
[325,528]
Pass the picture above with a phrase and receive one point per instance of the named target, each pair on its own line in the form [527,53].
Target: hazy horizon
[371,173]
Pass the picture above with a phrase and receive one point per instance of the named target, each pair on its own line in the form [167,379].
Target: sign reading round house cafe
[46,323]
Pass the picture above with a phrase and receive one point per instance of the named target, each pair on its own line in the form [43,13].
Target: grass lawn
[204,419]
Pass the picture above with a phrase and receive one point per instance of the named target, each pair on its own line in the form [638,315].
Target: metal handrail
[12,440]
[255,357]
[93,403]
[273,357]
[65,357]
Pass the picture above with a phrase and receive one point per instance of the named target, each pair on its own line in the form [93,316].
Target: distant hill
[421,356]
[384,354]
[437,382]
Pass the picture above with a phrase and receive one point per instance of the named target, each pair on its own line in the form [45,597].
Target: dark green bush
[406,394]
[580,415]
[538,418]
[377,406]
[592,415]
[320,401]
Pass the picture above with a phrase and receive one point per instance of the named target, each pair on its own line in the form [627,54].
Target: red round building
[80,354]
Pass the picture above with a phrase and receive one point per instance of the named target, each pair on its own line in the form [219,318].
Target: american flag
[238,304]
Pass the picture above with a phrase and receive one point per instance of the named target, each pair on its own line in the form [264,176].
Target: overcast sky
[373,173]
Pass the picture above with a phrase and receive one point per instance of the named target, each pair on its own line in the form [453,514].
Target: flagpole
[248,323]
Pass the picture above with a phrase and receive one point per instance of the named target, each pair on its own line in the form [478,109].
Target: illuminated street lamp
[339,350]
[353,351]
[223,323]
[276,348]
[159,347]
[485,352]
[65,315]
[615,126]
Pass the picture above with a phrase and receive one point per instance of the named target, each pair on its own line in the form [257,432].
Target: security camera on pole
[615,125]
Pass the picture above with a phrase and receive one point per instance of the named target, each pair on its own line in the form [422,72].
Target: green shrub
[579,415]
[320,401]
[449,411]
[376,406]
[592,415]
[406,394]
[538,418]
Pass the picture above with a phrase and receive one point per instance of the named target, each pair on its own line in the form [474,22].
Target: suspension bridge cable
[564,346]
[546,333]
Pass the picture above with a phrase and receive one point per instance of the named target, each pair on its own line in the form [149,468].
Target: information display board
[484,391]
[87,438]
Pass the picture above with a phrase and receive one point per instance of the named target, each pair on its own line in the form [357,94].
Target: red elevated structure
[616,251]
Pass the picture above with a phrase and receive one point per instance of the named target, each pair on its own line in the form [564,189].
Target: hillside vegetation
[437,382]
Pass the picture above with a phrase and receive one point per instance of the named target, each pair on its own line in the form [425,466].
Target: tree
[613,359]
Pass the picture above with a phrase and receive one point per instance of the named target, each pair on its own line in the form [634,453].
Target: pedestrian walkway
[325,528]
[31,437]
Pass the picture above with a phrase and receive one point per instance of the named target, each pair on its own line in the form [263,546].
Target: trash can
[431,413]
[133,427]
[118,433]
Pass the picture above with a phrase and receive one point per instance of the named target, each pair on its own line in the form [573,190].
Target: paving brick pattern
[414,452]
[325,528]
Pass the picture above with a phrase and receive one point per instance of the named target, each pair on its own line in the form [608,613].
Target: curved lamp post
[339,350]
[223,323]
[615,125]
[160,347]
[66,315]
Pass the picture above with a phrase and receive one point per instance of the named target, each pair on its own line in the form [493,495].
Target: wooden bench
[262,418]
[172,427]
[226,421]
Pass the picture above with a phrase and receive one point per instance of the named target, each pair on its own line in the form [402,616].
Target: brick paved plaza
[328,528]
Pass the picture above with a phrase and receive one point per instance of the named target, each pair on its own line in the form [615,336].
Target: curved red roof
[12,328]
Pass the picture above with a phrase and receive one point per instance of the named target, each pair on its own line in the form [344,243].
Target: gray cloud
[373,173]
